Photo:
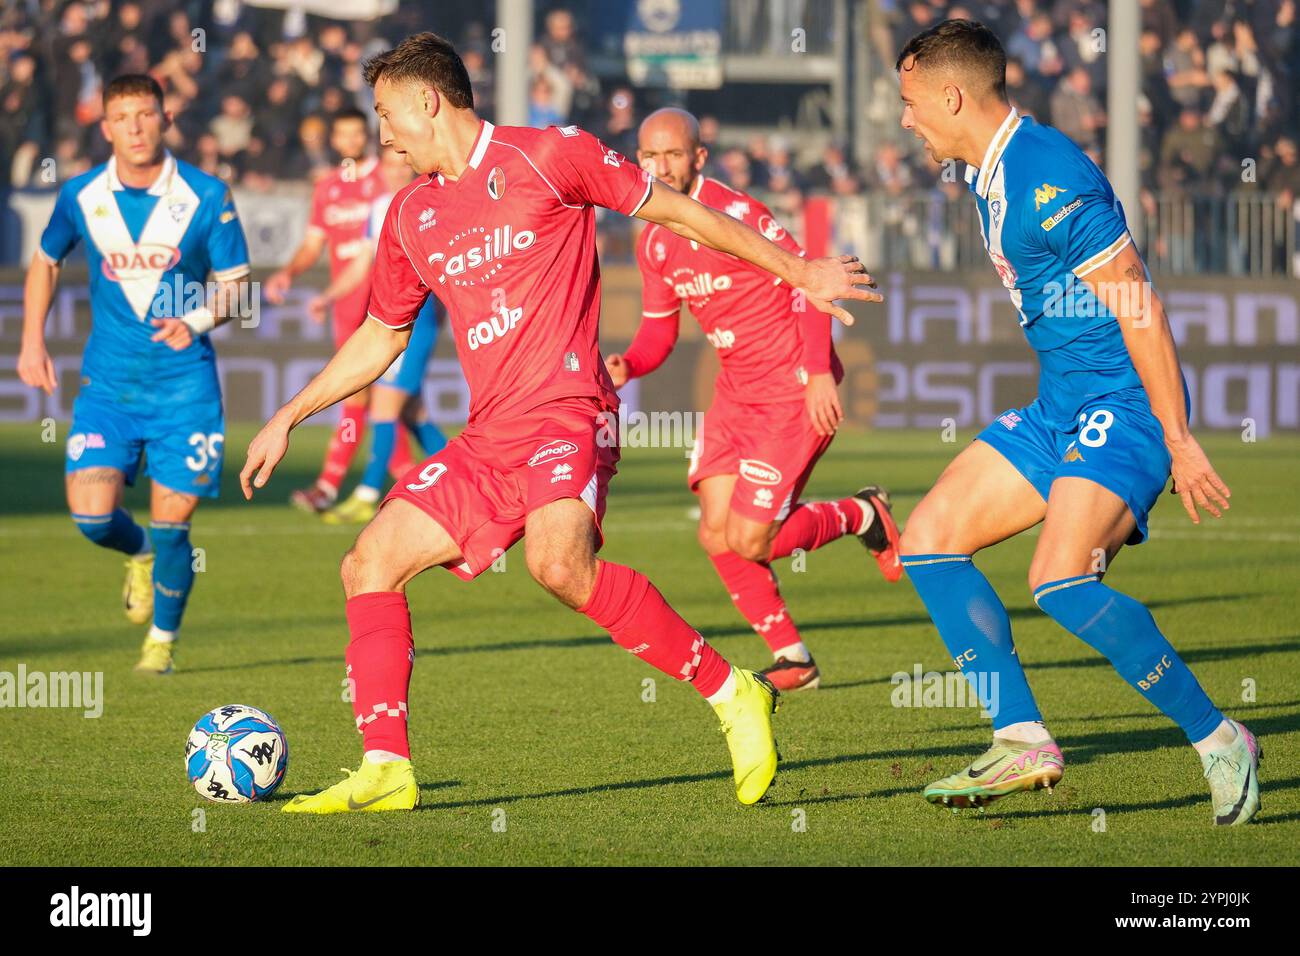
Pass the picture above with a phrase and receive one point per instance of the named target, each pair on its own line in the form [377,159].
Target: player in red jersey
[775,408]
[340,208]
[500,226]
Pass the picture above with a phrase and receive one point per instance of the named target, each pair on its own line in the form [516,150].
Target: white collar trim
[484,137]
[993,155]
[160,185]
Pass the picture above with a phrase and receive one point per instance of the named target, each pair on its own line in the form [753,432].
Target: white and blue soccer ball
[236,754]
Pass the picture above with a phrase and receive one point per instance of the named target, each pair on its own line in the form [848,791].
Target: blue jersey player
[1088,458]
[154,231]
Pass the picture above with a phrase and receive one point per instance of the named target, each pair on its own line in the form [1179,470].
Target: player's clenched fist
[1196,481]
[173,333]
[36,368]
[264,452]
[838,277]
[617,369]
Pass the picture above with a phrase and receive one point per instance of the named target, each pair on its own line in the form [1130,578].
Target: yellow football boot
[747,722]
[137,592]
[376,786]
[352,510]
[155,657]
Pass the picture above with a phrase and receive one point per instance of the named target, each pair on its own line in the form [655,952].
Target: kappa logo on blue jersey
[1045,194]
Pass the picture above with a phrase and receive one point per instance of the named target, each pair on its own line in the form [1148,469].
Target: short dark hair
[132,84]
[967,46]
[429,59]
[350,113]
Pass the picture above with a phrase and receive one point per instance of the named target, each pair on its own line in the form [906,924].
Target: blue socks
[974,626]
[117,531]
[430,437]
[1123,631]
[173,573]
[383,439]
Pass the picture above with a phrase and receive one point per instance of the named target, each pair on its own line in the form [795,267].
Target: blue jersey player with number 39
[154,229]
[1088,458]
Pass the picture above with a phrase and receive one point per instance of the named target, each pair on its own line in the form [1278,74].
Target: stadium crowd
[252,90]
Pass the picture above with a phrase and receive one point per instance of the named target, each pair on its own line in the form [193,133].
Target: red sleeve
[654,341]
[658,298]
[583,171]
[814,324]
[396,291]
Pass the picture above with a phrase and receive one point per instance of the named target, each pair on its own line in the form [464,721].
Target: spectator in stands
[559,91]
[619,127]
[481,80]
[561,42]
[233,127]
[1192,145]
[1026,93]
[1076,112]
[1185,70]
[832,173]
[542,111]
[736,170]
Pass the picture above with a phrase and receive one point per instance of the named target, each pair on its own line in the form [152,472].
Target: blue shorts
[182,445]
[1116,442]
[407,371]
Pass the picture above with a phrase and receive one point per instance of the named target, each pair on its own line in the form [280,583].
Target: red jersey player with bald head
[775,408]
[500,225]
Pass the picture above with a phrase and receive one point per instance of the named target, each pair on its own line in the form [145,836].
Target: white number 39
[207,448]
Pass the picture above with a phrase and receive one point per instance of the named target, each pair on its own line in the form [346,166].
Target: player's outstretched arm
[1123,286]
[35,367]
[822,280]
[277,285]
[348,281]
[361,360]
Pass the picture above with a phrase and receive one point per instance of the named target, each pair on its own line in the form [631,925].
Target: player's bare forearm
[1122,285]
[361,360]
[227,300]
[822,280]
[35,367]
[38,292]
[699,223]
[351,278]
[307,254]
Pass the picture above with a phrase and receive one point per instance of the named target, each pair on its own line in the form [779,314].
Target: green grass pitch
[533,739]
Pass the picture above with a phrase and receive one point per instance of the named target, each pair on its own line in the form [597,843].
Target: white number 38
[1093,433]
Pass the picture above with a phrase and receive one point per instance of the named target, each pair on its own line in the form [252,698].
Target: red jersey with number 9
[510,249]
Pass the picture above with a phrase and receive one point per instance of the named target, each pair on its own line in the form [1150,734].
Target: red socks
[400,461]
[343,444]
[812,525]
[626,604]
[754,590]
[379,660]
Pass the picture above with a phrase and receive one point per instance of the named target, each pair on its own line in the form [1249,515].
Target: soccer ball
[236,754]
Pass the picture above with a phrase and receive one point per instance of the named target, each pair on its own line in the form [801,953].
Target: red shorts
[770,448]
[482,485]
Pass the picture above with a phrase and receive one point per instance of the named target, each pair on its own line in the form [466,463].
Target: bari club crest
[496,184]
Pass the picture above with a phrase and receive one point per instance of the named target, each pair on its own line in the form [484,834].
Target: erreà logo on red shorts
[552,451]
[759,472]
[119,265]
